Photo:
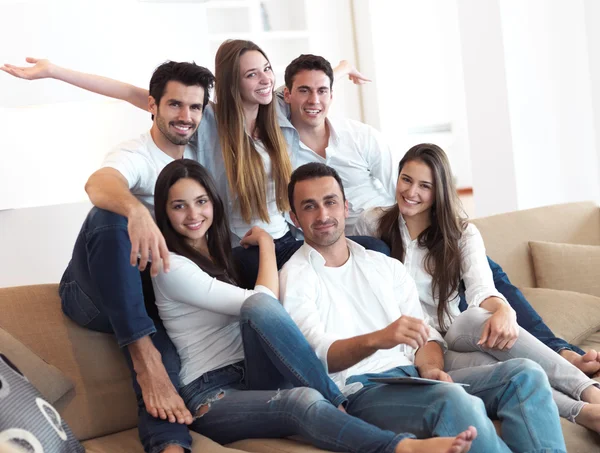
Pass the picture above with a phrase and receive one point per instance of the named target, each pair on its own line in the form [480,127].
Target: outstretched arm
[345,68]
[45,69]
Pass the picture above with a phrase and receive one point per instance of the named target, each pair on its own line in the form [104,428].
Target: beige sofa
[89,383]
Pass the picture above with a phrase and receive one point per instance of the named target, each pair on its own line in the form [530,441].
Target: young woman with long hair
[239,346]
[427,230]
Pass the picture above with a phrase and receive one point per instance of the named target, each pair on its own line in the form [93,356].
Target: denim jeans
[516,392]
[245,400]
[100,290]
[527,317]
[247,259]
[567,381]
[276,353]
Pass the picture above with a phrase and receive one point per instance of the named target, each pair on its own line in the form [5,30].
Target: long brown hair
[243,164]
[441,238]
[220,264]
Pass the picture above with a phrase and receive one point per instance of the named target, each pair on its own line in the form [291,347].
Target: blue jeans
[101,291]
[527,317]
[245,400]
[517,392]
[285,247]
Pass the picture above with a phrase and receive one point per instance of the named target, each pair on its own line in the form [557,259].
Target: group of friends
[264,267]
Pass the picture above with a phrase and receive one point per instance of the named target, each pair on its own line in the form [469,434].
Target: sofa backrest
[507,236]
[103,401]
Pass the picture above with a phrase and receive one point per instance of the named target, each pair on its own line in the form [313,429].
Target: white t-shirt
[277,226]
[140,161]
[366,294]
[474,268]
[201,316]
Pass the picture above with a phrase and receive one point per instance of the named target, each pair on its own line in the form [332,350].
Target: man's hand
[147,241]
[501,330]
[405,330]
[432,372]
[345,68]
[42,69]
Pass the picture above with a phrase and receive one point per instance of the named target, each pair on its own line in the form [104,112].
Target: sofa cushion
[103,401]
[48,379]
[27,420]
[506,236]
[567,266]
[583,311]
[128,442]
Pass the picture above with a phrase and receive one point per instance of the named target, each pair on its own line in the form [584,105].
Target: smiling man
[102,289]
[360,312]
[356,150]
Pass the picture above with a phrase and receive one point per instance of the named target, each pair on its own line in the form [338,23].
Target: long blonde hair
[243,164]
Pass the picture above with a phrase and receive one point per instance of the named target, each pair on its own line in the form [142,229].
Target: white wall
[412,51]
[532,57]
[518,80]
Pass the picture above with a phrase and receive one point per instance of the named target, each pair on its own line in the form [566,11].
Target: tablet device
[411,380]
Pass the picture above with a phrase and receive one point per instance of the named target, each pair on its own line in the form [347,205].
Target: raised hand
[254,236]
[345,68]
[41,69]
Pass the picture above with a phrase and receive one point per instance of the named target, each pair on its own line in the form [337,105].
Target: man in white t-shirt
[357,151]
[102,287]
[360,312]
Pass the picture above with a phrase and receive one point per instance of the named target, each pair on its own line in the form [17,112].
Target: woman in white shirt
[425,230]
[239,346]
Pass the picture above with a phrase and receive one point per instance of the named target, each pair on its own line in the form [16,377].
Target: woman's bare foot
[458,444]
[160,397]
[589,363]
[589,416]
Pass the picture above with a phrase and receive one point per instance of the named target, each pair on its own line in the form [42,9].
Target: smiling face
[179,113]
[415,192]
[309,98]
[256,79]
[320,210]
[190,211]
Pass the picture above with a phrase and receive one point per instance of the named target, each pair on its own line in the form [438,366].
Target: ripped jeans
[231,412]
[252,399]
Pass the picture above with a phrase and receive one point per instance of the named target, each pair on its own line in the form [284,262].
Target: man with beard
[102,288]
[360,312]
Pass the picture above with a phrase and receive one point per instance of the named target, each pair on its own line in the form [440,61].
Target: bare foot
[342,408]
[458,444]
[589,363]
[173,449]
[589,416]
[160,397]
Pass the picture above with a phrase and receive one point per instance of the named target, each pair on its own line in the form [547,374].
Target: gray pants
[567,381]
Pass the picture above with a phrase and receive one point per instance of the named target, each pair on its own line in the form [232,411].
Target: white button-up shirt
[372,291]
[358,152]
[474,268]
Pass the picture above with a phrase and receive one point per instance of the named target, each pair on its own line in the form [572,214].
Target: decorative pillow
[48,379]
[567,266]
[27,422]
[571,316]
